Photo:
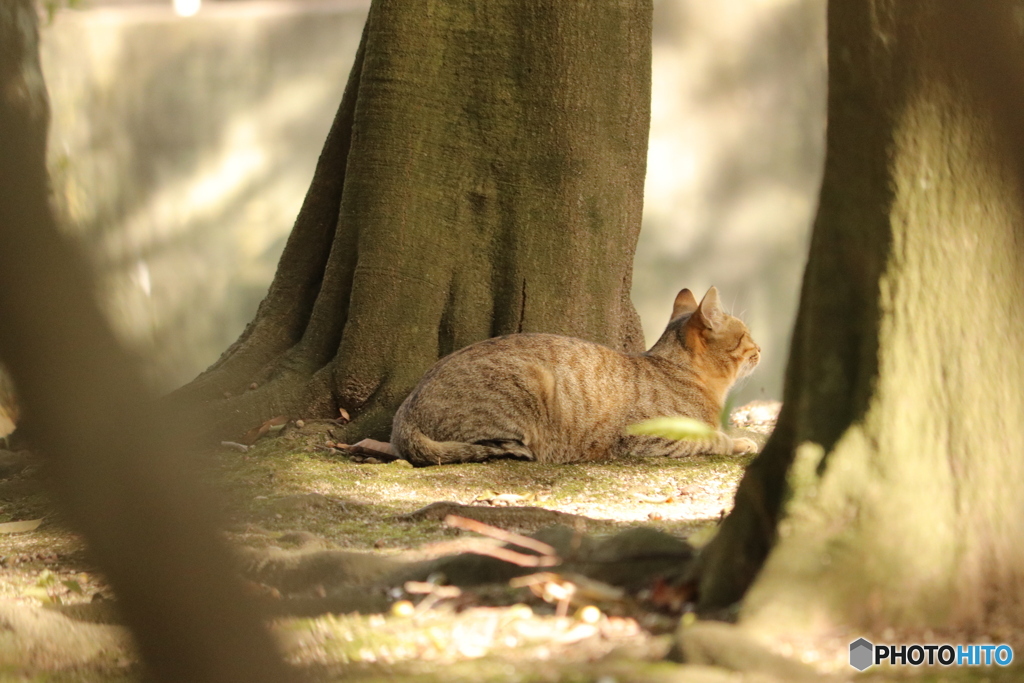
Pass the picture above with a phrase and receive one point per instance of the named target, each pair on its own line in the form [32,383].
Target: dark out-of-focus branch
[85,405]
[984,41]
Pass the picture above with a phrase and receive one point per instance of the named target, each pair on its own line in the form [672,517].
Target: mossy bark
[484,176]
[890,493]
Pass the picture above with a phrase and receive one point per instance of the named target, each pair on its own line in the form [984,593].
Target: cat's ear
[709,314]
[685,304]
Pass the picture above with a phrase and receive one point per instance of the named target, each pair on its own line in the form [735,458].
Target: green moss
[279,487]
[290,483]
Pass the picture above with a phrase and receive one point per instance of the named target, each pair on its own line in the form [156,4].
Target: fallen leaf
[344,415]
[644,498]
[273,424]
[671,597]
[39,593]
[18,527]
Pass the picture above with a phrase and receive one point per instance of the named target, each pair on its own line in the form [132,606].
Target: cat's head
[708,339]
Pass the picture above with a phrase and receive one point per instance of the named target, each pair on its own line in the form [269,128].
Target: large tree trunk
[890,493]
[147,525]
[484,176]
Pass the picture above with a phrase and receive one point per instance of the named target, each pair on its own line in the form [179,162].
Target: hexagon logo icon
[861,654]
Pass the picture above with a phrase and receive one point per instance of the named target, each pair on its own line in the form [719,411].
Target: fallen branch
[518,559]
[501,535]
[427,588]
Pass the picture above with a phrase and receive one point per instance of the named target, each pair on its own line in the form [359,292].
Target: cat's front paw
[743,445]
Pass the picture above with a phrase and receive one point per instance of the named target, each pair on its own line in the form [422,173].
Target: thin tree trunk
[890,494]
[484,176]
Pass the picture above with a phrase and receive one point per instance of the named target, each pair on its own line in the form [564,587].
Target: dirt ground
[298,490]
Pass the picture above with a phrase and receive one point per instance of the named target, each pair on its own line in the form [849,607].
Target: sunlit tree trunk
[484,176]
[891,492]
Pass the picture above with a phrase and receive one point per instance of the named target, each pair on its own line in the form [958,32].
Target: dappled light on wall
[734,164]
[187,8]
[181,152]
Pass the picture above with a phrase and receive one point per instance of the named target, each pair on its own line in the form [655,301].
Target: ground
[291,489]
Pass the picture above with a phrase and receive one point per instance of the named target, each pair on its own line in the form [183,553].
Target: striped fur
[557,399]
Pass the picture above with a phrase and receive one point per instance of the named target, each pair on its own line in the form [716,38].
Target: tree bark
[889,494]
[147,524]
[483,176]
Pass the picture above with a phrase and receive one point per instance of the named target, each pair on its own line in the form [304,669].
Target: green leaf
[19,527]
[73,586]
[679,428]
[726,413]
[37,592]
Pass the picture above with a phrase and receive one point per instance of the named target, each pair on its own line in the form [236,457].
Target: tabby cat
[557,399]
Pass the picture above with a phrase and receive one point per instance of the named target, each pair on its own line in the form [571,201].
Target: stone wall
[181,150]
[734,165]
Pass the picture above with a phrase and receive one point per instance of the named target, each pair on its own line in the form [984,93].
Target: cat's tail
[420,450]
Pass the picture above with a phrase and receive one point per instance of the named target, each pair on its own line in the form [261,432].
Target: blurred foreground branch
[147,523]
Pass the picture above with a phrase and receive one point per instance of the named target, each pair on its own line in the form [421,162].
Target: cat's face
[734,346]
[715,342]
